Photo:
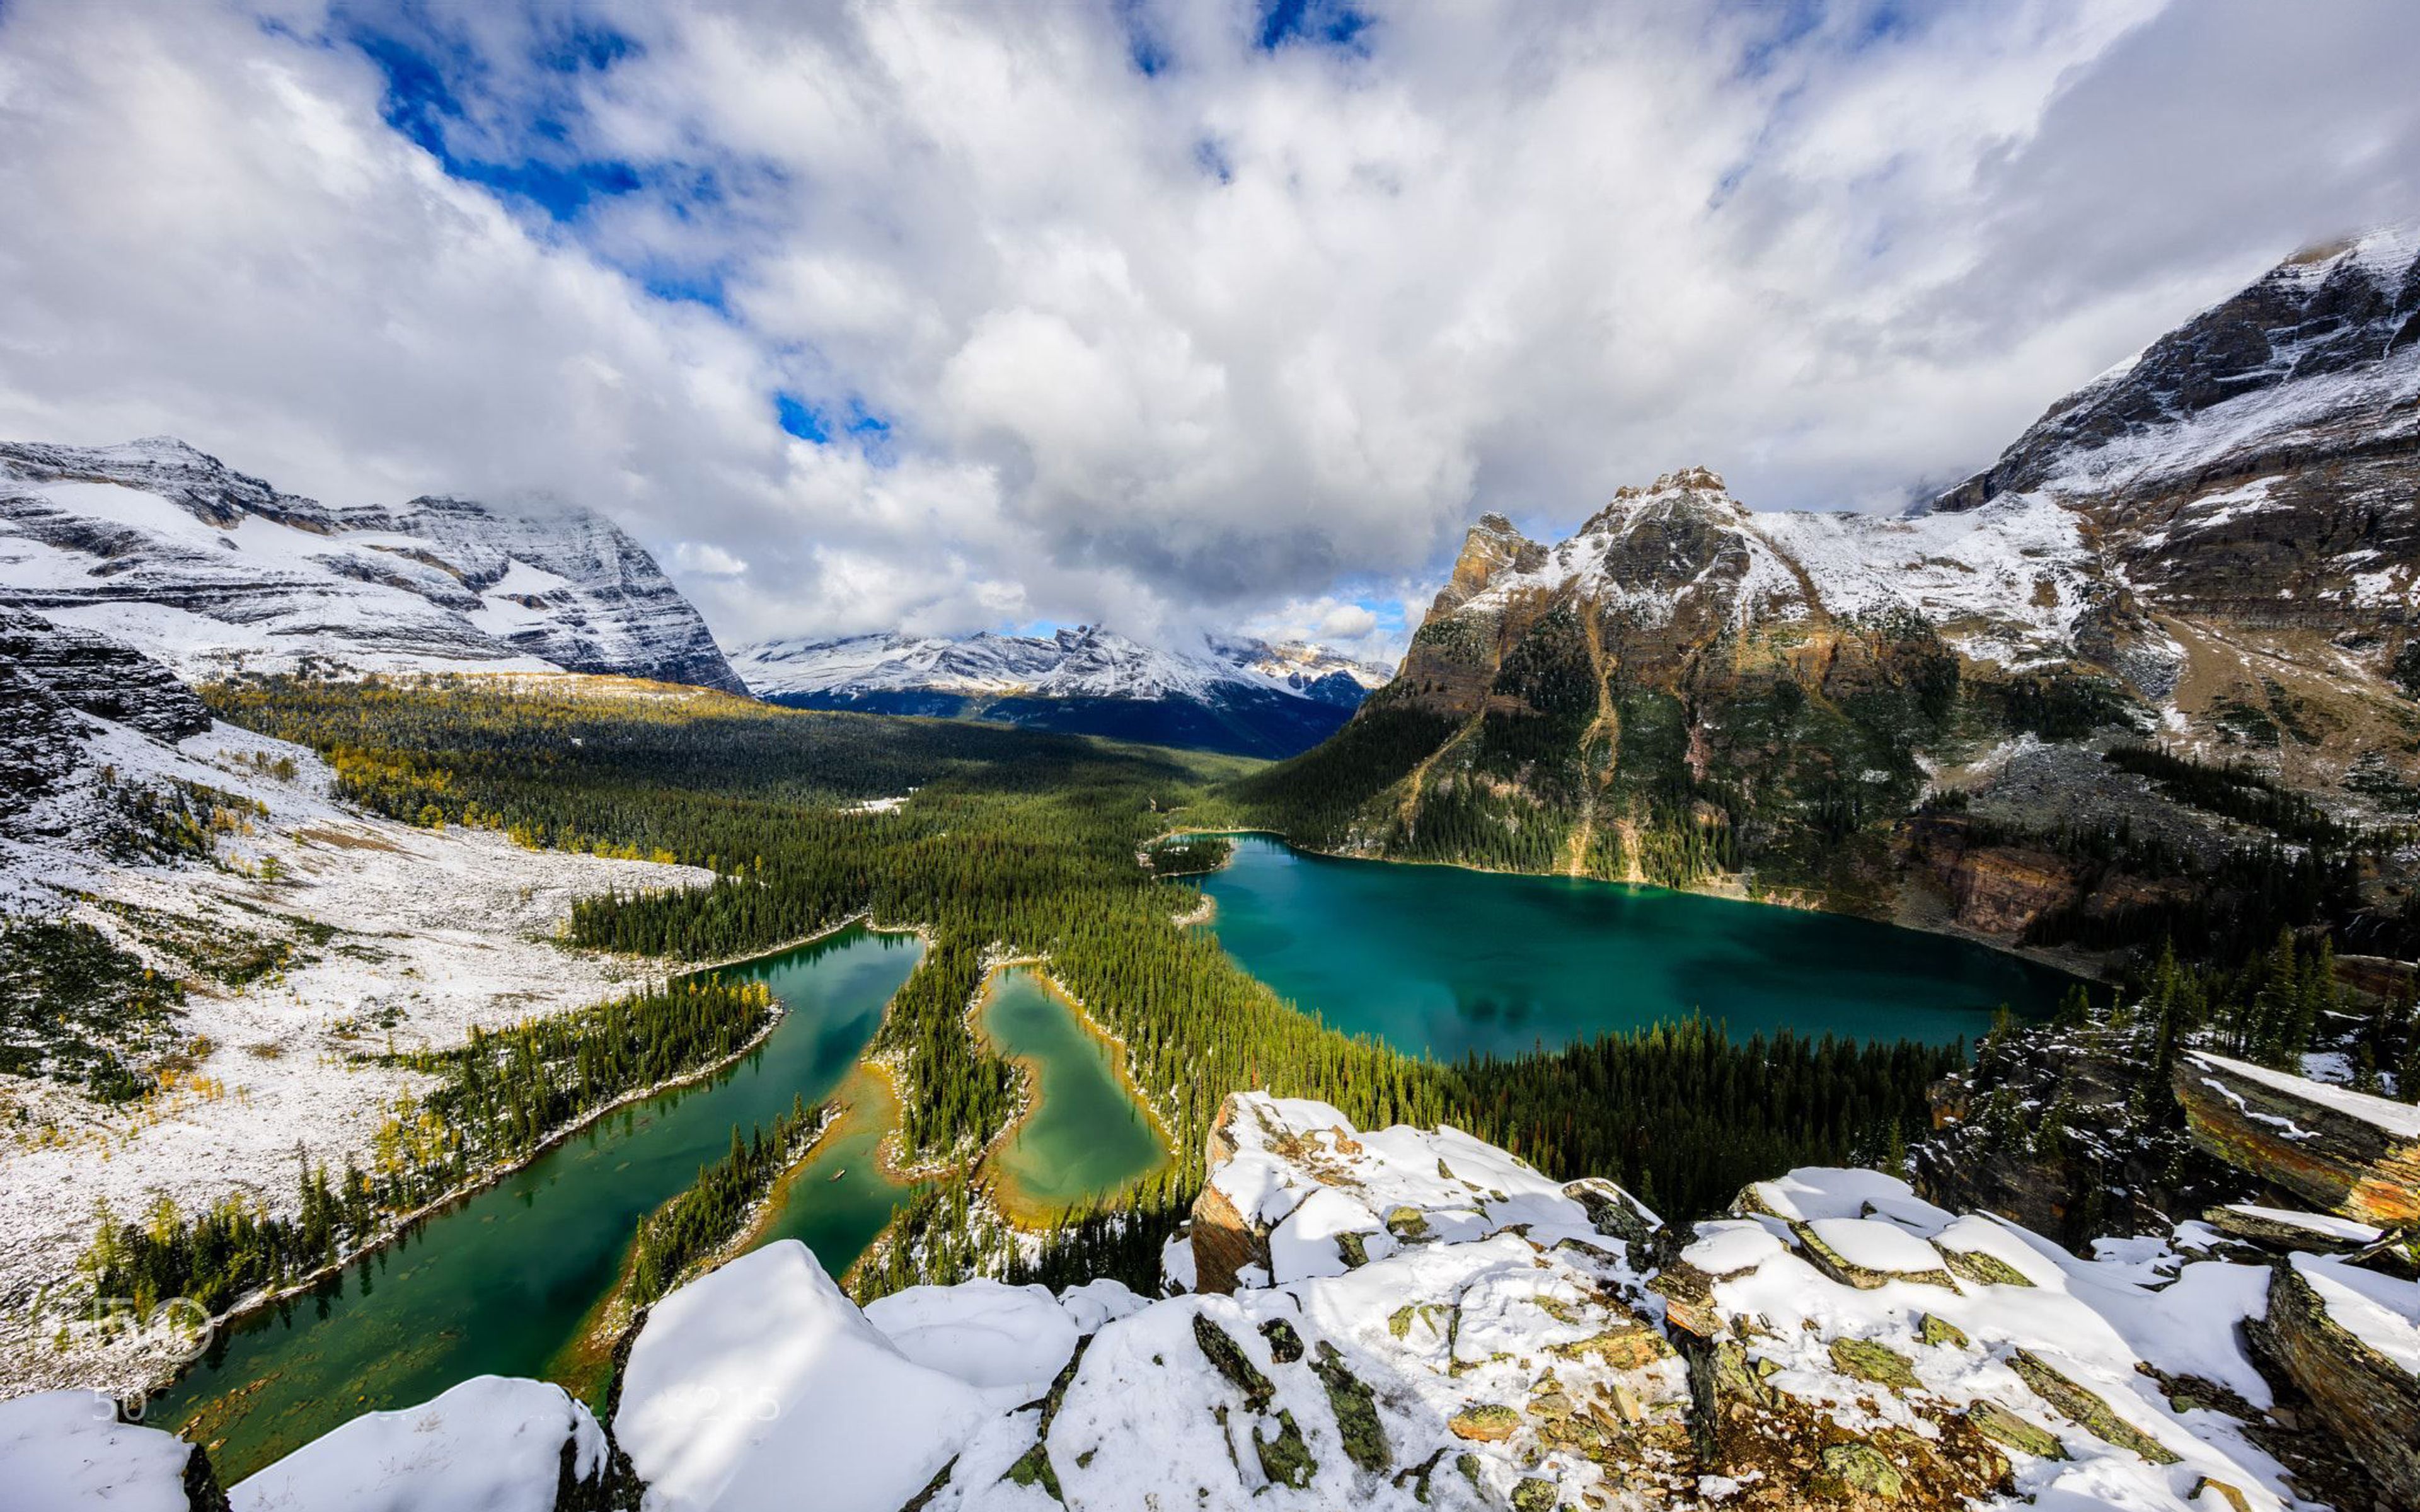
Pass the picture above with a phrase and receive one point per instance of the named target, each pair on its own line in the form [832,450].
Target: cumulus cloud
[1166,315]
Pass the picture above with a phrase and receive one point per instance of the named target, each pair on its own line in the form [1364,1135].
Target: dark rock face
[100,676]
[247,574]
[2046,1129]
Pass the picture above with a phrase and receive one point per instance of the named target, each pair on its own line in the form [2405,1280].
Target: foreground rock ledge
[1416,1319]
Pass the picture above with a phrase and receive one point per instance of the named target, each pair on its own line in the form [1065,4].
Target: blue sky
[1223,315]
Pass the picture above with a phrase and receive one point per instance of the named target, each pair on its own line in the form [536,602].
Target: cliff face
[213,572]
[2217,547]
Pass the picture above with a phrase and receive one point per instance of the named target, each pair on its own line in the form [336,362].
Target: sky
[1225,315]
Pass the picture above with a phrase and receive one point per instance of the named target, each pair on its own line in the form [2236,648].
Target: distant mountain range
[214,573]
[2214,546]
[1238,695]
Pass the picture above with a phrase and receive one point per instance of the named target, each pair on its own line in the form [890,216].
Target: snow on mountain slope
[269,924]
[215,572]
[1228,694]
[2259,461]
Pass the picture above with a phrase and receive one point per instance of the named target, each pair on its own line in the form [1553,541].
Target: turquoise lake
[1446,962]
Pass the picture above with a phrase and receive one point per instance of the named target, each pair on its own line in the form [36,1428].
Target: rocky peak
[163,465]
[1491,546]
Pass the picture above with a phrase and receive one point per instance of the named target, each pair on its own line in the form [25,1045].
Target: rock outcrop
[215,572]
[1427,1322]
[99,675]
[2354,1155]
[488,1443]
[2350,1340]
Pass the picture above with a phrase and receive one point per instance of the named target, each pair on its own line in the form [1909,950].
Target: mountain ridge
[216,572]
[1235,694]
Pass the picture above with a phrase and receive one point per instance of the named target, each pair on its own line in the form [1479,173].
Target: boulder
[2357,1156]
[760,1383]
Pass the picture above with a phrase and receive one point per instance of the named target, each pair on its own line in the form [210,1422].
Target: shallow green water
[1086,1136]
[1444,961]
[501,1282]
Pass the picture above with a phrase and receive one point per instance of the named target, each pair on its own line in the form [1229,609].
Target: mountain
[215,572]
[1238,695]
[1407,1319]
[2212,550]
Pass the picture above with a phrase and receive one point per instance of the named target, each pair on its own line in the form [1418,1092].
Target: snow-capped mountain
[2218,541]
[2258,462]
[215,572]
[1231,694]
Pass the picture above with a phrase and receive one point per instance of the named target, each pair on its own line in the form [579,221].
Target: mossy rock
[1877,1362]
[1409,1225]
[1624,1346]
[1849,1273]
[2010,1431]
[1534,1495]
[2227,1493]
[1941,1332]
[1228,1358]
[1354,1249]
[1032,1468]
[1982,1269]
[1485,1421]
[1849,1471]
[1734,1377]
[1467,1462]
[1285,1344]
[1355,1407]
[1285,1459]
[2088,1411]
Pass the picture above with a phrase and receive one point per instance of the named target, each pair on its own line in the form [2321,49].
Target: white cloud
[1191,348]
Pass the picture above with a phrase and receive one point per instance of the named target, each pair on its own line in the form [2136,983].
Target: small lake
[1086,1135]
[503,1281]
[1443,960]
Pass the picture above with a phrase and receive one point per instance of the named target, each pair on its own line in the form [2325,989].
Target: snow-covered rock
[213,572]
[65,1451]
[760,1383]
[1448,1328]
[489,1444]
[1224,693]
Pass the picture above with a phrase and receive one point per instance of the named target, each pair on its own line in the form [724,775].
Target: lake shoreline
[1020,1209]
[1910,909]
